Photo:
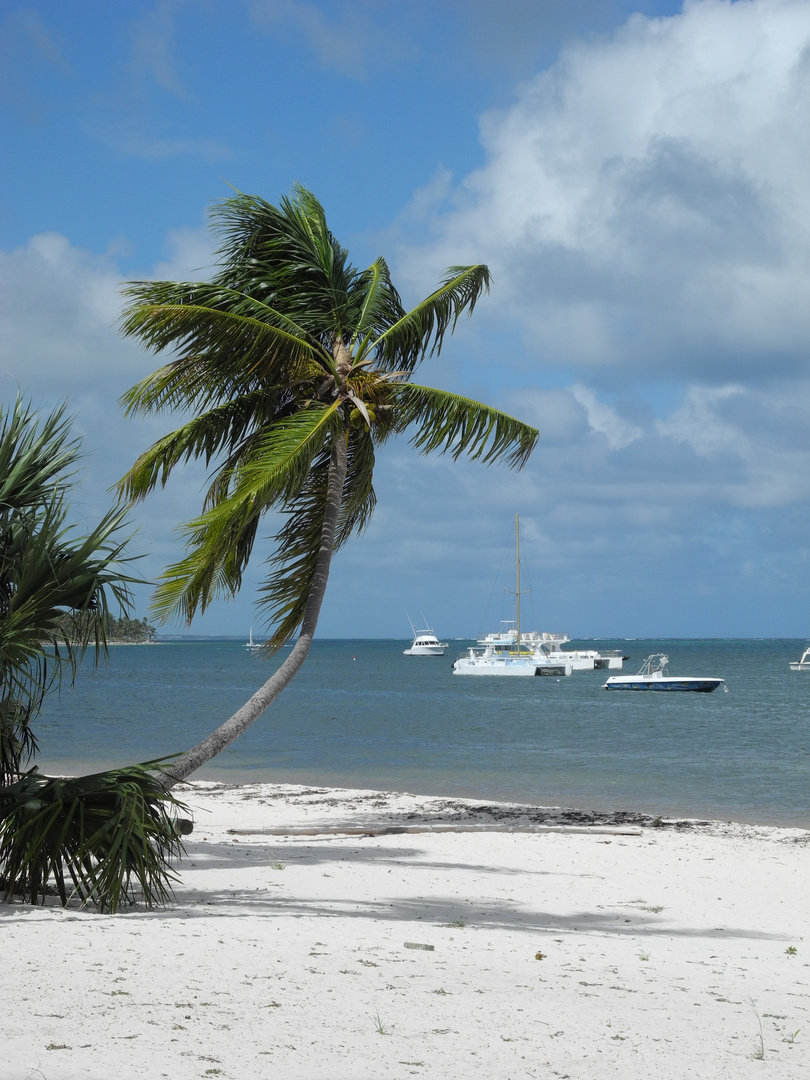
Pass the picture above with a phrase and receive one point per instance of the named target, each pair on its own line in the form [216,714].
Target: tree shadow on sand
[268,901]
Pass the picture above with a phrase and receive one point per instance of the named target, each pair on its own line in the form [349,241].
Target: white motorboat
[251,644]
[804,663]
[653,676]
[506,653]
[425,642]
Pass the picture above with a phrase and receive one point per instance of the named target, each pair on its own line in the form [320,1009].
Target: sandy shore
[665,949]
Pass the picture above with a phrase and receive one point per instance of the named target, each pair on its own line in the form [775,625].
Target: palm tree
[296,366]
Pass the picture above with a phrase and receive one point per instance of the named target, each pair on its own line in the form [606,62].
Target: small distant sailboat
[251,644]
[802,664]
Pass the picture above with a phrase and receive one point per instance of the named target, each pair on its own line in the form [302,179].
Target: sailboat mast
[517,579]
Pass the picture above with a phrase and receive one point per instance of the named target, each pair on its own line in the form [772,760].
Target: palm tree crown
[296,367]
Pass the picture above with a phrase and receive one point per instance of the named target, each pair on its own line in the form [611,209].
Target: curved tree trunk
[241,720]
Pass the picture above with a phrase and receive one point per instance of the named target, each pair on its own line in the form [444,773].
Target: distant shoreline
[136,642]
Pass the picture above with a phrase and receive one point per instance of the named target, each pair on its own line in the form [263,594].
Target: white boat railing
[655,664]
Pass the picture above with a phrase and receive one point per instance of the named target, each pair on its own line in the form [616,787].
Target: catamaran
[550,646]
[505,653]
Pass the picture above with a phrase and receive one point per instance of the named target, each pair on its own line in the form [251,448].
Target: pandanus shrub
[96,838]
[108,838]
[57,583]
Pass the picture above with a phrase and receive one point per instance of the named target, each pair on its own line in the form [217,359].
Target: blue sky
[635,175]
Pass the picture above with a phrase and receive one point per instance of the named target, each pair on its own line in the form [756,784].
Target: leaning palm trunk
[241,720]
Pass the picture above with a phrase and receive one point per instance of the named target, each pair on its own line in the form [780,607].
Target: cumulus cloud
[189,256]
[59,305]
[643,206]
[644,202]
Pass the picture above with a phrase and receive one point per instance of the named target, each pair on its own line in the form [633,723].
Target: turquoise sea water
[360,714]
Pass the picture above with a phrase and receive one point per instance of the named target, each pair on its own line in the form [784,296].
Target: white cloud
[609,485]
[644,207]
[59,341]
[605,420]
[645,203]
[190,256]
[59,306]
[770,462]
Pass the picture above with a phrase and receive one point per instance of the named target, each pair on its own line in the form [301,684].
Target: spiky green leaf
[220,541]
[458,425]
[108,839]
[421,331]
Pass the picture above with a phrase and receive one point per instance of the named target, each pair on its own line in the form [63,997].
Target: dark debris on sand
[554,816]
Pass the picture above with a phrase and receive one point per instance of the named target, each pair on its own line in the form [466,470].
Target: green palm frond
[151,313]
[222,354]
[228,428]
[55,571]
[220,541]
[408,341]
[59,571]
[359,499]
[282,455]
[97,838]
[287,253]
[457,425]
[284,594]
[381,307]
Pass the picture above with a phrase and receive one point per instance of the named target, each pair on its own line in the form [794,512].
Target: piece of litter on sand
[417,945]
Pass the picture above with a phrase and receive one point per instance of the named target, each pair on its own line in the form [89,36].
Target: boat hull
[630,682]
[424,650]
[506,667]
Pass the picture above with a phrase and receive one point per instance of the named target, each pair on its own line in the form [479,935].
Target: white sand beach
[627,949]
